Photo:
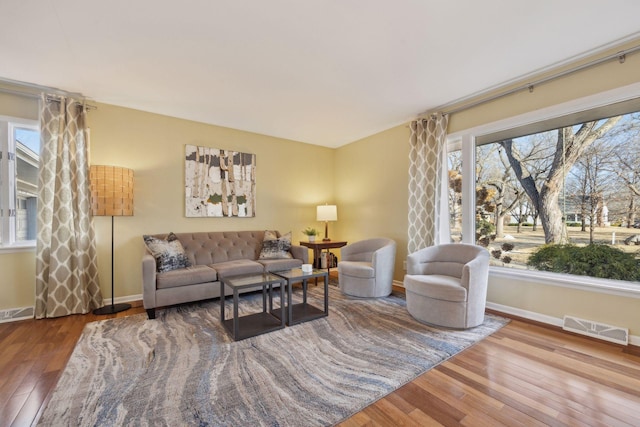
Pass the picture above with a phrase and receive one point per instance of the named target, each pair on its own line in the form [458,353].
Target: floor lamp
[111,195]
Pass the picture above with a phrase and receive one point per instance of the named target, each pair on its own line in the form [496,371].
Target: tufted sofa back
[204,248]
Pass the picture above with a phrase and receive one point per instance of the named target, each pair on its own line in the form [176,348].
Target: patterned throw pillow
[274,247]
[169,253]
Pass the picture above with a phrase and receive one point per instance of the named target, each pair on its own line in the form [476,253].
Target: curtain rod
[29,90]
[620,56]
[56,98]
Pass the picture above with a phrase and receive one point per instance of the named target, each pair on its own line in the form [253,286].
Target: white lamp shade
[327,213]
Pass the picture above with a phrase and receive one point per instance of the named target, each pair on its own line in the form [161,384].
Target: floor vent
[13,314]
[597,330]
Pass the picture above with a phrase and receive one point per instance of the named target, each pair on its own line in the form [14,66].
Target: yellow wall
[371,177]
[291,179]
[547,300]
[17,279]
[18,106]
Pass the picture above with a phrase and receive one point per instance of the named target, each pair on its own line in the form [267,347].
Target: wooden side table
[318,247]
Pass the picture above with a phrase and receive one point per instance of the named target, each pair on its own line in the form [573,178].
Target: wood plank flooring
[523,375]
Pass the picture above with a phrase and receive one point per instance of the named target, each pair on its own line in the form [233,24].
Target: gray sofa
[212,255]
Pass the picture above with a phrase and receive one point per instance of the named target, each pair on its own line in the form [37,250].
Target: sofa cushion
[186,276]
[274,247]
[234,268]
[280,264]
[169,253]
[440,287]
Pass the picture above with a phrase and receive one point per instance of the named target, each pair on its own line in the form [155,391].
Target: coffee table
[302,312]
[250,325]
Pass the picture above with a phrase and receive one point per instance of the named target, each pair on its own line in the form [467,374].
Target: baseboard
[541,318]
[16,314]
[25,313]
[128,298]
[398,286]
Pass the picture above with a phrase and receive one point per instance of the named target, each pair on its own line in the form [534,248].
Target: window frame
[7,145]
[466,140]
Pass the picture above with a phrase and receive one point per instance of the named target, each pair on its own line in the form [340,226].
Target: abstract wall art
[219,183]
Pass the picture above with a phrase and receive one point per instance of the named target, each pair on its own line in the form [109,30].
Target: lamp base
[326,239]
[112,309]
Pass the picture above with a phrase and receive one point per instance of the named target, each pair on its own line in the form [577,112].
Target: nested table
[302,312]
[250,325]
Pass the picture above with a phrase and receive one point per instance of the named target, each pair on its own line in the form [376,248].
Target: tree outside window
[574,188]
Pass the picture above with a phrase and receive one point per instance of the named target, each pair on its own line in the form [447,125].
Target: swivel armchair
[446,285]
[366,268]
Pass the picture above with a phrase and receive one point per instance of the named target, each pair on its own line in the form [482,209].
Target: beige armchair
[366,268]
[446,285]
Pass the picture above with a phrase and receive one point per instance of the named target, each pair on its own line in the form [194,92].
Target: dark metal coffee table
[302,312]
[250,325]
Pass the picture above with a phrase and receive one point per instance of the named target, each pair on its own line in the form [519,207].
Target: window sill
[18,247]
[584,283]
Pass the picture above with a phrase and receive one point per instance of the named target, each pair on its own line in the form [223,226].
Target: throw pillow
[169,253]
[274,247]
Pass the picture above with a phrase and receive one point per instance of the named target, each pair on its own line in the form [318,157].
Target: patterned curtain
[66,261]
[428,183]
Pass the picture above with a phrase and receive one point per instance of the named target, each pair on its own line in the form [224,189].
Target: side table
[302,312]
[250,325]
[318,247]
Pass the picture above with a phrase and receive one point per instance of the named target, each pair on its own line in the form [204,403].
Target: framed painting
[219,183]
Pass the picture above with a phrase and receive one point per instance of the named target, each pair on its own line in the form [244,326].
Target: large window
[559,195]
[19,158]
[572,186]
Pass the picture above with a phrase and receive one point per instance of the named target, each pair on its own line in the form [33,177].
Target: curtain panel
[428,183]
[66,260]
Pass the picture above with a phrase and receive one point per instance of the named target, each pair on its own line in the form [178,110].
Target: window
[19,159]
[455,195]
[576,185]
[566,178]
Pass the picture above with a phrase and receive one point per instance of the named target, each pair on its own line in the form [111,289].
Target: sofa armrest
[148,281]
[301,253]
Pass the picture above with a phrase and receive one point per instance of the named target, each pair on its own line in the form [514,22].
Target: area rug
[183,369]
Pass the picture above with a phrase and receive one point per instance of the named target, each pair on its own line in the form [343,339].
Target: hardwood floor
[523,375]
[33,354]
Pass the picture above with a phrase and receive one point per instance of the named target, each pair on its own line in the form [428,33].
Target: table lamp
[111,195]
[327,213]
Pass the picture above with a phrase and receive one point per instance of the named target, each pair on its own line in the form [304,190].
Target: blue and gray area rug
[183,369]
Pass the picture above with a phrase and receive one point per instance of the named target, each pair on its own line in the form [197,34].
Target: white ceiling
[325,72]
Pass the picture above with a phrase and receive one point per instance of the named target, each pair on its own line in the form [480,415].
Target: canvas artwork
[219,183]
